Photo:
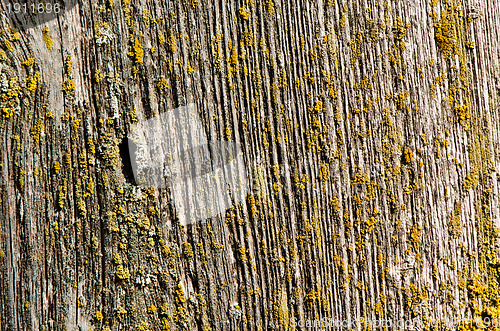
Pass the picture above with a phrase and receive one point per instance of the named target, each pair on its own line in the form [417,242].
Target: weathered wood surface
[370,131]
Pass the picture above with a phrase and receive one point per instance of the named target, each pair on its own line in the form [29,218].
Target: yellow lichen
[171,43]
[137,52]
[190,69]
[408,155]
[68,87]
[28,62]
[3,55]
[471,180]
[98,76]
[161,38]
[446,33]
[47,38]
[244,14]
[188,250]
[162,84]
[455,224]
[98,315]
[32,81]
[62,195]
[463,114]
[399,29]
[37,131]
[234,56]
[152,309]
[122,273]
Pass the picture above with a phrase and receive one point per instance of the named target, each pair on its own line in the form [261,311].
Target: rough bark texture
[371,136]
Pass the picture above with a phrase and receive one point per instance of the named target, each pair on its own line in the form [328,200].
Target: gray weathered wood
[370,132]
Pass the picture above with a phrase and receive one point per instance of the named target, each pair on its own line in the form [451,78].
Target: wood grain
[370,134]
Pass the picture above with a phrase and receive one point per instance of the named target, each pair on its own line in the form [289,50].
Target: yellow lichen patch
[408,155]
[152,309]
[179,298]
[171,43]
[68,87]
[32,81]
[400,100]
[162,84]
[28,62]
[98,76]
[433,11]
[68,64]
[146,18]
[133,116]
[188,250]
[47,38]
[234,56]
[360,178]
[63,190]
[251,203]
[471,180]
[415,235]
[463,114]
[81,207]
[446,32]
[137,52]
[3,55]
[57,167]
[318,107]
[312,297]
[399,29]
[356,44]
[122,273]
[455,223]
[244,14]
[190,69]
[270,8]
[7,112]
[335,204]
[324,173]
[8,45]
[143,326]
[370,222]
[476,287]
[98,315]
[37,131]
[161,38]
